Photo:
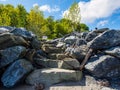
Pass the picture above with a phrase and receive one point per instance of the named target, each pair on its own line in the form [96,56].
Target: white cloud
[47,8]
[36,4]
[102,23]
[65,13]
[96,9]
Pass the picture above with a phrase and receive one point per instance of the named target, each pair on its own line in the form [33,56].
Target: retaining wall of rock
[24,58]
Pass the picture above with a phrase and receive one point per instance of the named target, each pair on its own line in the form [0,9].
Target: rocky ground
[77,61]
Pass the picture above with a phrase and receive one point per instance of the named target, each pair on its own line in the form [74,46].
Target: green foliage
[84,27]
[4,15]
[74,15]
[36,22]
[21,14]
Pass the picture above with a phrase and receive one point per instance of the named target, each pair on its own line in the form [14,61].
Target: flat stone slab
[52,76]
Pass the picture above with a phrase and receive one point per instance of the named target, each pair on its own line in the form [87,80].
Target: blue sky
[94,13]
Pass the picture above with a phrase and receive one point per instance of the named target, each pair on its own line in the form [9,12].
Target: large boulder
[52,76]
[67,63]
[35,43]
[70,40]
[80,42]
[5,29]
[41,53]
[114,51]
[16,72]
[84,34]
[11,54]
[106,40]
[23,33]
[87,83]
[104,66]
[90,36]
[8,40]
[101,30]
[77,52]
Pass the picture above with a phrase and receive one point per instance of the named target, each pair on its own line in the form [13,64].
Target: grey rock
[5,29]
[90,36]
[87,83]
[101,30]
[47,63]
[23,33]
[106,40]
[84,34]
[58,56]
[70,40]
[80,52]
[54,41]
[77,52]
[52,56]
[51,49]
[67,63]
[41,53]
[52,76]
[30,54]
[11,54]
[60,44]
[104,66]
[8,40]
[80,42]
[16,72]
[114,51]
[35,43]
[70,36]
[61,56]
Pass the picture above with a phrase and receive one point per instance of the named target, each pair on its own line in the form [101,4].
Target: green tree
[12,14]
[67,25]
[21,16]
[4,15]
[1,9]
[84,27]
[45,31]
[35,20]
[74,15]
